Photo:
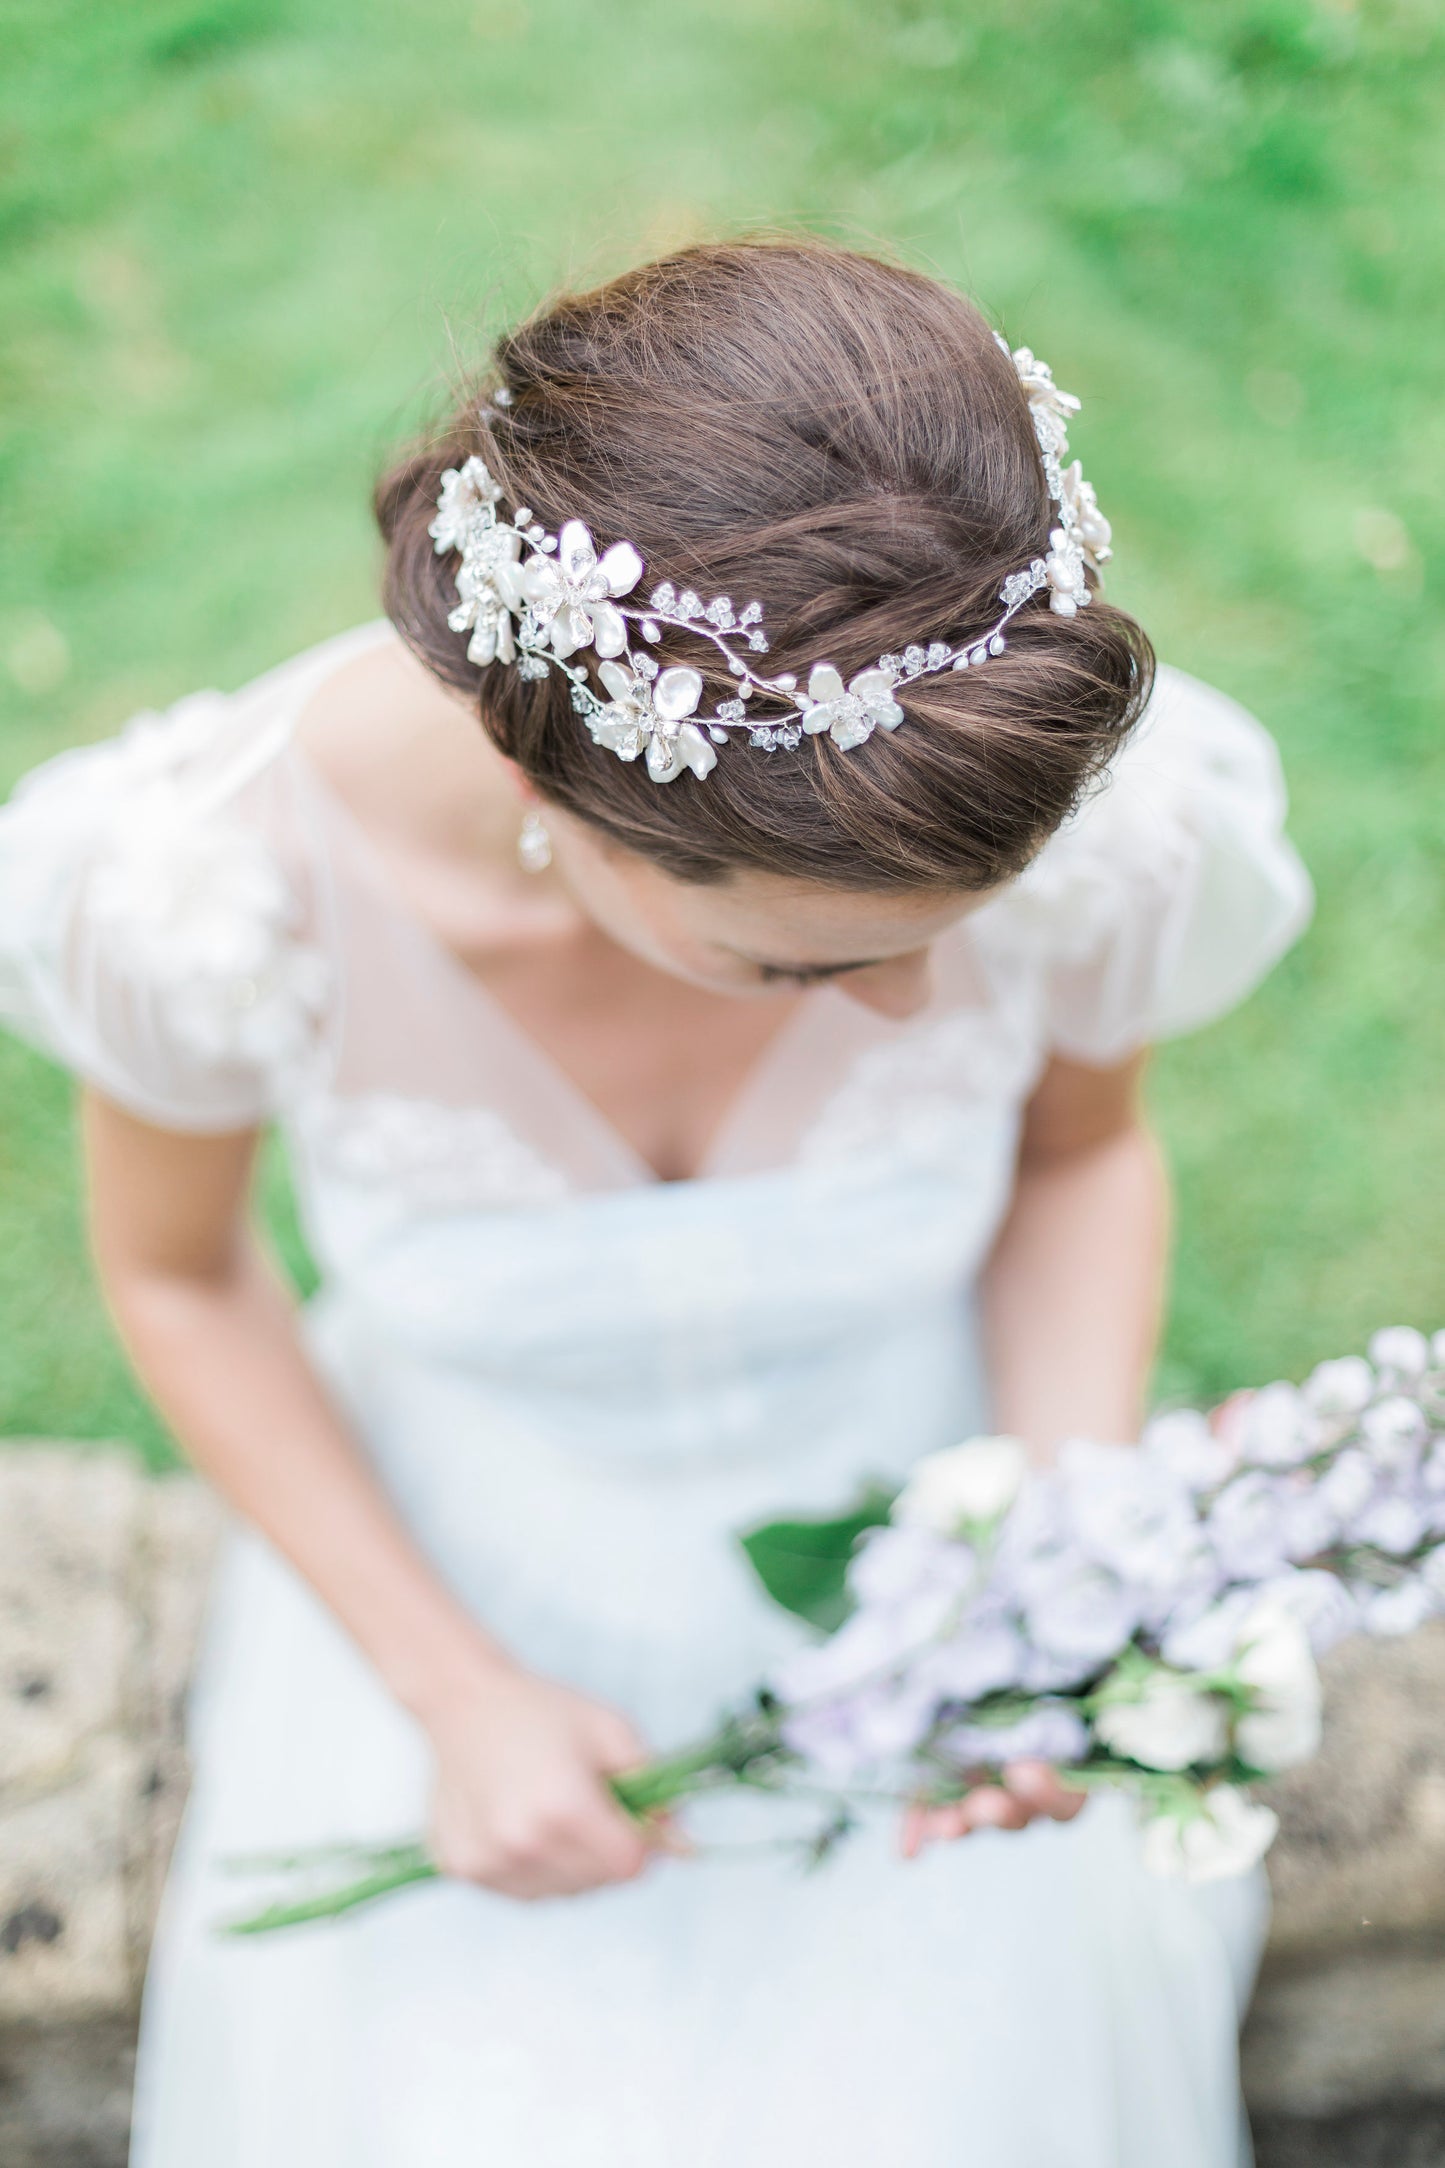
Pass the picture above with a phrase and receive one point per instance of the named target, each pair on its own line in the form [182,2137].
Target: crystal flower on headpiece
[565,599]
[647,714]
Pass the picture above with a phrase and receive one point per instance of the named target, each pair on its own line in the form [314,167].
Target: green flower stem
[404,1865]
[647,1790]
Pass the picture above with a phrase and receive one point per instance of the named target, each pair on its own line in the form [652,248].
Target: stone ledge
[1361,1848]
[102,1578]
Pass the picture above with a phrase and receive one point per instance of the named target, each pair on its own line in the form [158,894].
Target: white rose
[1401,1349]
[1393,1431]
[963,1485]
[1173,1725]
[1228,1836]
[1339,1389]
[1284,1725]
[1277,1429]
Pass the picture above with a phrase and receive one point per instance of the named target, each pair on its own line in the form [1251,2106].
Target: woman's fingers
[1043,1791]
[663,1833]
[1029,1789]
[993,1806]
[990,1806]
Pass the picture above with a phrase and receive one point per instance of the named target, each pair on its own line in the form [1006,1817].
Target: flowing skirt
[1029,2000]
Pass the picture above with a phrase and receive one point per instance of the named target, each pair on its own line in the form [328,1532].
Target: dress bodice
[191,918]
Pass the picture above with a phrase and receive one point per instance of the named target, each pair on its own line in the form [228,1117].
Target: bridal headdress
[538,602]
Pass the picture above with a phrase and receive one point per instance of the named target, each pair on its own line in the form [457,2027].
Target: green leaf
[803,1565]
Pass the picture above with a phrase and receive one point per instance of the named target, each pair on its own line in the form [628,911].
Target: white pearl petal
[677,692]
[874,686]
[617,680]
[621,568]
[609,629]
[541,581]
[511,584]
[575,553]
[824,683]
[664,759]
[696,751]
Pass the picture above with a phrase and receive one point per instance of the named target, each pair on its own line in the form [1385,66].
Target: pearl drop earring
[534,845]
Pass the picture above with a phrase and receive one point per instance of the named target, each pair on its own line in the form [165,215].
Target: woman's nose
[901,987]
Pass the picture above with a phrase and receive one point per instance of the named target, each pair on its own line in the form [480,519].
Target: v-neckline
[723,1151]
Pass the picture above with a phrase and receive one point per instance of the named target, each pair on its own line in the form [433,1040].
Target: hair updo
[843,440]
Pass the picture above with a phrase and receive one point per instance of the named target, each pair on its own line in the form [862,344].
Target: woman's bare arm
[210,1328]
[1074,1291]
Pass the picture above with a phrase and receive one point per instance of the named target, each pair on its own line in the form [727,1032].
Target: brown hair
[844,440]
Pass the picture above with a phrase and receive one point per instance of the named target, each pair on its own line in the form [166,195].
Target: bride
[708,1042]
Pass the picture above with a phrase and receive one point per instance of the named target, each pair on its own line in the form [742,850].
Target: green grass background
[243,240]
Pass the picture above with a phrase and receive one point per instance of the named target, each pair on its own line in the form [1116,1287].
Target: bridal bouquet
[1139,1616]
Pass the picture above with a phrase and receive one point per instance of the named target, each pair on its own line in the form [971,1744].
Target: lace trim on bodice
[433,1157]
[911,1097]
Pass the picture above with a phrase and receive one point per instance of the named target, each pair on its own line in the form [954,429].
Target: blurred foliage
[244,242]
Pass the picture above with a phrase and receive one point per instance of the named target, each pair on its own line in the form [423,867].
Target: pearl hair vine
[536,612]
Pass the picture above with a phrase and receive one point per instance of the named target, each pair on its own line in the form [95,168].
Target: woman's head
[845,441]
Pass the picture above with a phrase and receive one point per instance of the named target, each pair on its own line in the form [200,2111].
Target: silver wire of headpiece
[565,599]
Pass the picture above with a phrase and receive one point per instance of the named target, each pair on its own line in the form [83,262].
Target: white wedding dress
[579,1383]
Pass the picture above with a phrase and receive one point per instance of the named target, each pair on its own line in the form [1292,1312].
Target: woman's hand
[1029,1789]
[522,1803]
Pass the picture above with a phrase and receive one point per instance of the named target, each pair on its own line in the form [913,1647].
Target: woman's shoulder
[1198,777]
[159,927]
[1174,887]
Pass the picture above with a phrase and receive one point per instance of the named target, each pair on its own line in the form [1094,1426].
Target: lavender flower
[1188,1450]
[1052,1731]
[1246,1527]
[1394,1430]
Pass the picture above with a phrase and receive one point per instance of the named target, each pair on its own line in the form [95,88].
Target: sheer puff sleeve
[1174,890]
[158,921]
